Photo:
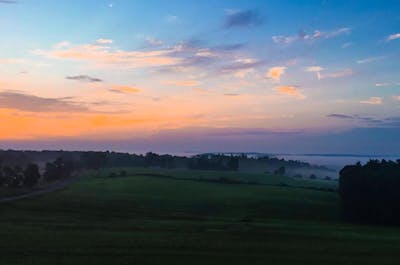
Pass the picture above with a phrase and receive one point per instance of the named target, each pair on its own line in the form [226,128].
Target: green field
[180,217]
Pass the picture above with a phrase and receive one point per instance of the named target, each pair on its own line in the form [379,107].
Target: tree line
[370,193]
[29,175]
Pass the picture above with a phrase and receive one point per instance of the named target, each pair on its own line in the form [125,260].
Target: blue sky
[282,76]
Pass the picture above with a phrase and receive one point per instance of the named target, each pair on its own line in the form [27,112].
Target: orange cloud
[290,91]
[125,89]
[276,72]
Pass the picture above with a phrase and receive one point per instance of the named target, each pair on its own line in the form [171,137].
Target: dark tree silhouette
[31,175]
[370,193]
[280,171]
[94,160]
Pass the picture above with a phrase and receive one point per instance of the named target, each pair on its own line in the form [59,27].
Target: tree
[94,160]
[280,171]
[31,175]
[8,175]
[2,178]
[370,193]
[58,169]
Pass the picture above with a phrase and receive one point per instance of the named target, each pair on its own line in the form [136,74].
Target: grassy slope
[149,220]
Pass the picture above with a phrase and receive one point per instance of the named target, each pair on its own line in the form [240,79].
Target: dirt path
[54,187]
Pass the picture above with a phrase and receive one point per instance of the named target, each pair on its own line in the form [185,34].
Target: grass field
[176,217]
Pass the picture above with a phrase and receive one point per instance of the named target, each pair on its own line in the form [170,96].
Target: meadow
[153,216]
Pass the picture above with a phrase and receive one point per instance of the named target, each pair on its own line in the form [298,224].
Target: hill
[171,217]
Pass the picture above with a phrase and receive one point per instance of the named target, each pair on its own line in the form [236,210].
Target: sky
[199,76]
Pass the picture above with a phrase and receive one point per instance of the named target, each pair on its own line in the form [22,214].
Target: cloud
[324,75]
[231,94]
[393,37]
[290,91]
[30,103]
[246,18]
[153,42]
[182,57]
[396,97]
[386,122]
[382,84]
[124,89]
[228,132]
[11,61]
[342,73]
[303,36]
[370,59]
[199,90]
[8,2]
[241,64]
[276,72]
[356,118]
[84,78]
[340,116]
[185,83]
[104,41]
[172,19]
[104,55]
[346,45]
[62,44]
[243,73]
[373,101]
[315,69]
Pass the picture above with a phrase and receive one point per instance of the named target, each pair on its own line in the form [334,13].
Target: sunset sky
[176,76]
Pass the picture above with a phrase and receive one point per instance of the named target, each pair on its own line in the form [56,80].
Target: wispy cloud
[11,61]
[394,36]
[245,18]
[341,73]
[315,69]
[124,89]
[384,84]
[340,116]
[104,41]
[8,2]
[303,36]
[241,67]
[104,55]
[84,78]
[62,44]
[370,59]
[232,94]
[30,103]
[291,91]
[373,101]
[371,121]
[346,45]
[172,18]
[276,72]
[187,83]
